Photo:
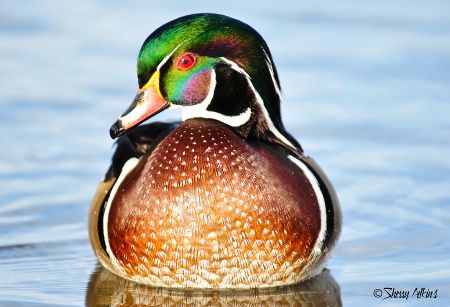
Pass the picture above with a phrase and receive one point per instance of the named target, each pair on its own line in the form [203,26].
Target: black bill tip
[116,130]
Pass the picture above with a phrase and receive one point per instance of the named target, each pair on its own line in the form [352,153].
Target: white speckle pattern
[216,221]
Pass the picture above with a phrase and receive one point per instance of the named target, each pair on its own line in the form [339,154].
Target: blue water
[366,92]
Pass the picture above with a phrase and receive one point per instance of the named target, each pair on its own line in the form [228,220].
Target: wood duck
[225,198]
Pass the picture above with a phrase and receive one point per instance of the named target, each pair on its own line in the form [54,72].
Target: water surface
[366,92]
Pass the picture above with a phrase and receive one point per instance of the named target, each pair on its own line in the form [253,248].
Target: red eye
[186,61]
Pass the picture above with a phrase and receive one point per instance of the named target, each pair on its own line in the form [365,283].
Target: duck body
[224,199]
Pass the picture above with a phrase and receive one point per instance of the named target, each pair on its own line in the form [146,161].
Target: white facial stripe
[126,169]
[269,122]
[168,56]
[233,121]
[323,214]
[236,67]
[200,109]
[272,74]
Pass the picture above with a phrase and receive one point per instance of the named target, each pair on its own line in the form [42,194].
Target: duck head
[211,66]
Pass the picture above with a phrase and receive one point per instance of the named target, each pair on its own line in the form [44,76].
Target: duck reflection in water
[107,289]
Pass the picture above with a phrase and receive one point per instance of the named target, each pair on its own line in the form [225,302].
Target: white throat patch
[200,109]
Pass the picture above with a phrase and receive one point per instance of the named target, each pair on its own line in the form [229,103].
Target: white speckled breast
[207,210]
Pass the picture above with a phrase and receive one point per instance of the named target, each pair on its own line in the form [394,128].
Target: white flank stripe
[127,168]
[321,200]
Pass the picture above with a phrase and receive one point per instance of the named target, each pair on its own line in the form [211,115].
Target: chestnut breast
[206,208]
